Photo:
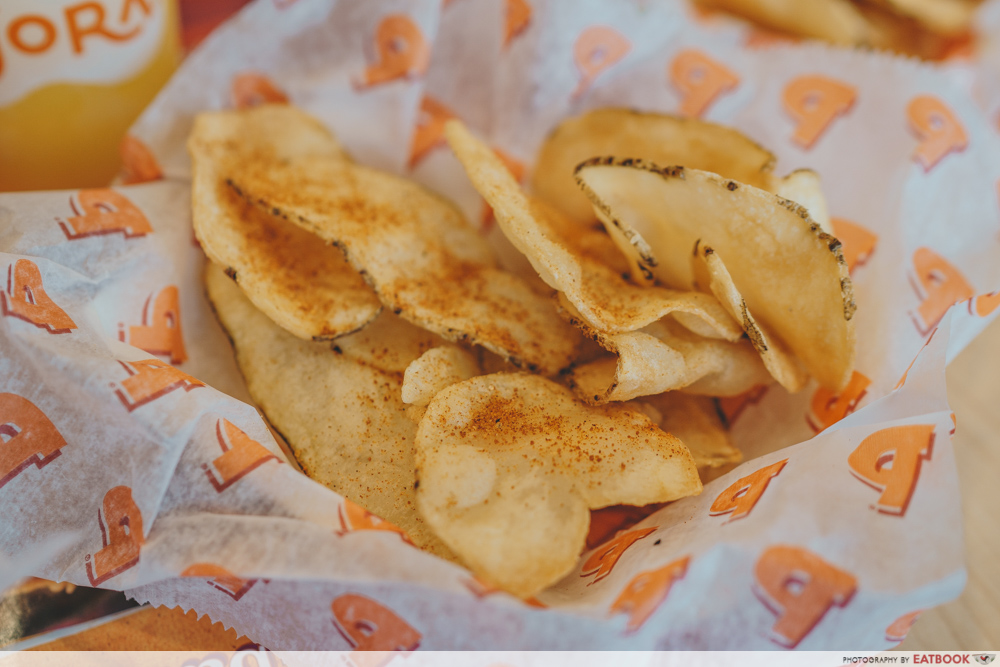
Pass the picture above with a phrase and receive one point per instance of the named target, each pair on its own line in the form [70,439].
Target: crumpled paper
[127,441]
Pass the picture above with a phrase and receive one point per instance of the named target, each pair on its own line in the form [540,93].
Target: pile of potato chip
[485,413]
[931,29]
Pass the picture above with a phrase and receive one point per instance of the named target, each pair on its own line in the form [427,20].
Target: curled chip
[659,138]
[666,357]
[802,186]
[599,294]
[291,275]
[791,275]
[510,465]
[778,359]
[337,406]
[434,370]
[695,421]
[836,21]
[422,258]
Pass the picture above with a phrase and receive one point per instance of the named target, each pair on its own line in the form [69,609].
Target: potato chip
[666,357]
[599,295]
[695,421]
[660,138]
[803,187]
[791,275]
[943,17]
[510,465]
[434,370]
[836,21]
[291,275]
[340,413]
[777,358]
[424,261]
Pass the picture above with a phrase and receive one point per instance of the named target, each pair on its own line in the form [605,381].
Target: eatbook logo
[985,658]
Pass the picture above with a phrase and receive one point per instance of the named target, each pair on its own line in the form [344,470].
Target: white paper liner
[278,534]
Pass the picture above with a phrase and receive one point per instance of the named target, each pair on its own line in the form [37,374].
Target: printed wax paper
[132,457]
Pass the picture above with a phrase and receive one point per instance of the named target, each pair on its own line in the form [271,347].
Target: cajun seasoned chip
[338,408]
[598,293]
[510,465]
[660,138]
[695,421]
[304,285]
[791,275]
[434,370]
[836,21]
[422,258]
[666,357]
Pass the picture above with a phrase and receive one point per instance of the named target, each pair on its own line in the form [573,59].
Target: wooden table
[972,622]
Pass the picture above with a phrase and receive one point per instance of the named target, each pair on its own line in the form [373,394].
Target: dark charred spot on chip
[416,484]
[626,276]
[397,311]
[231,272]
[336,348]
[732,185]
[657,543]
[696,244]
[847,290]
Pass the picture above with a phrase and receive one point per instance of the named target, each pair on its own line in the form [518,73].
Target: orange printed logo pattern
[603,560]
[799,587]
[370,626]
[939,130]
[700,80]
[402,52]
[814,102]
[984,305]
[481,589]
[730,408]
[148,380]
[221,579]
[889,461]
[941,286]
[241,456]
[898,629]
[104,212]
[646,592]
[26,299]
[251,89]
[857,243]
[139,165]
[743,494]
[121,535]
[354,517]
[160,332]
[595,50]
[26,436]
[827,409]
[429,132]
[516,20]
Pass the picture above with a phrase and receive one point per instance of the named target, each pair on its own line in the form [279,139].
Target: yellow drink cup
[74,74]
